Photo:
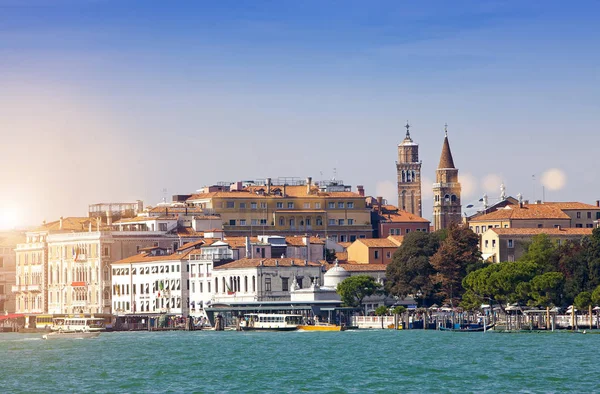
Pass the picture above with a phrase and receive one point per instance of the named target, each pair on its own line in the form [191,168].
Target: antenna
[533,185]
[334,173]
[164,191]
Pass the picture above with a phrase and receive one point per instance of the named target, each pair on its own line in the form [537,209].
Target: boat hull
[269,328]
[321,327]
[473,329]
[71,335]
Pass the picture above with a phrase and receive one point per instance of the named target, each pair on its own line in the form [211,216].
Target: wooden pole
[590,314]
[547,318]
[573,317]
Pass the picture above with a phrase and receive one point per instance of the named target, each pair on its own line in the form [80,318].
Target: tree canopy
[354,289]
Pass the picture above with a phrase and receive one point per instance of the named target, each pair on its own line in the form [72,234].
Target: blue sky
[118,100]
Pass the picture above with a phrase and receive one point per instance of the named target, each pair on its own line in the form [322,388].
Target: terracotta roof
[531,211]
[397,239]
[240,242]
[251,263]
[207,217]
[446,160]
[401,217]
[341,256]
[144,219]
[345,244]
[290,191]
[147,258]
[170,210]
[377,242]
[297,241]
[566,206]
[69,224]
[536,231]
[360,267]
[189,232]
[191,245]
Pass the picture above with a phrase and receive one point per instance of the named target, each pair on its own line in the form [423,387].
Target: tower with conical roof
[446,190]
[408,168]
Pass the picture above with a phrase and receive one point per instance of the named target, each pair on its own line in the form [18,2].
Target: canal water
[289,362]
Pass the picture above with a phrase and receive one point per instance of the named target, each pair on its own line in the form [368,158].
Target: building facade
[446,191]
[408,169]
[288,207]
[8,269]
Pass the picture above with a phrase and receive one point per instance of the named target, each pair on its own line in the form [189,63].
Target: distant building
[389,220]
[446,190]
[288,206]
[538,215]
[8,268]
[408,169]
[373,250]
[509,244]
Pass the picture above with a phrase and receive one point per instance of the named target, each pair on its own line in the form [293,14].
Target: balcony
[22,288]
[34,288]
[17,288]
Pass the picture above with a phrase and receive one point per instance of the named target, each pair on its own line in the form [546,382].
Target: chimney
[526,202]
[276,263]
[90,226]
[379,202]
[284,192]
[108,218]
[558,227]
[598,203]
[292,263]
[60,226]
[268,185]
[361,190]
[308,184]
[306,241]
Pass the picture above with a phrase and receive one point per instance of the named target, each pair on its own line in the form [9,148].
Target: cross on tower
[407,131]
[446,129]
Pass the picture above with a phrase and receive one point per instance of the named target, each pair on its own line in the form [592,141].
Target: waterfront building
[446,190]
[288,206]
[538,215]
[408,168]
[8,269]
[263,279]
[509,244]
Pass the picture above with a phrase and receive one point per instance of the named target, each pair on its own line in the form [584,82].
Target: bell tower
[446,190]
[408,168]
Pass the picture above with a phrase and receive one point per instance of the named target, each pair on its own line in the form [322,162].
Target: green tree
[381,311]
[542,252]
[410,271]
[330,255]
[596,296]
[354,289]
[457,255]
[583,300]
[547,288]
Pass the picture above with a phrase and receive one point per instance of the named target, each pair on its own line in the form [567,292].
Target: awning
[11,316]
[486,256]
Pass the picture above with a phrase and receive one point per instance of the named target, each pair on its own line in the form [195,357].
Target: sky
[115,101]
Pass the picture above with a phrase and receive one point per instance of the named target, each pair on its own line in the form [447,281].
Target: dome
[335,276]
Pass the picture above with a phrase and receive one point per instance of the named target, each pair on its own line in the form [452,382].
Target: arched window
[245,284]
[282,221]
[216,285]
[319,221]
[253,283]
[447,197]
[453,198]
[224,286]
[292,222]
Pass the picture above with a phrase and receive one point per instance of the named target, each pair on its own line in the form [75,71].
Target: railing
[372,321]
[20,288]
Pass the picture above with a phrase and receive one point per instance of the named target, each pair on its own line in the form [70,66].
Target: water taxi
[71,335]
[78,324]
[321,327]
[270,322]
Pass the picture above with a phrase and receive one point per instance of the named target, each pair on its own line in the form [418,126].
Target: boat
[468,328]
[71,335]
[321,327]
[270,322]
[78,324]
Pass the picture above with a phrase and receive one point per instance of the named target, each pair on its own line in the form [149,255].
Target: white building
[262,279]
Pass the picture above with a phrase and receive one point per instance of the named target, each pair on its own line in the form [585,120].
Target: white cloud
[468,185]
[554,179]
[491,184]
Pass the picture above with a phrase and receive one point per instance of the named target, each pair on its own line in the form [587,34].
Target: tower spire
[407,130]
[446,129]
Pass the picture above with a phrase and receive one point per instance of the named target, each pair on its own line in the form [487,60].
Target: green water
[324,362]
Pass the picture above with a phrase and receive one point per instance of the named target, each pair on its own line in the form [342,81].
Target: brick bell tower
[446,190]
[408,168]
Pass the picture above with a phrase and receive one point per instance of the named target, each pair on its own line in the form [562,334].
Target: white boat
[270,322]
[71,335]
[78,324]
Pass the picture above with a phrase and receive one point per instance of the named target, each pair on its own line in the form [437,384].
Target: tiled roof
[147,258]
[446,160]
[239,242]
[345,244]
[566,206]
[341,256]
[397,239]
[377,242]
[171,210]
[361,267]
[69,224]
[297,241]
[138,219]
[250,192]
[191,244]
[536,231]
[188,232]
[250,263]
[531,211]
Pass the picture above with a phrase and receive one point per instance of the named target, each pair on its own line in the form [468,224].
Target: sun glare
[8,219]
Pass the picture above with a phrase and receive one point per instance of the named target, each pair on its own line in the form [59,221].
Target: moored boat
[469,328]
[71,335]
[270,322]
[321,327]
[78,324]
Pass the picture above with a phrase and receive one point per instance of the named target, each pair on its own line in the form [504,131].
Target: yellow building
[373,250]
[287,207]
